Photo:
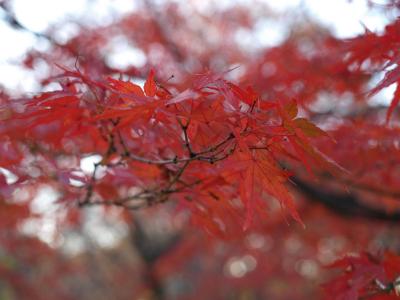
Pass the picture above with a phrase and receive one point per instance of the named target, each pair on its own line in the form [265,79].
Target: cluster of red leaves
[365,277]
[338,67]
[289,69]
[207,145]
[202,146]
[378,52]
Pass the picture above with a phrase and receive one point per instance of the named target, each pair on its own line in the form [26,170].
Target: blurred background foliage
[279,47]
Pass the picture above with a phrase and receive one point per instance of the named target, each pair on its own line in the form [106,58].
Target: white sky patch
[17,79]
[87,165]
[104,229]
[44,202]
[78,180]
[121,54]
[346,17]
[14,43]
[269,33]
[66,32]
[10,177]
[384,97]
[284,5]
[38,15]
[45,226]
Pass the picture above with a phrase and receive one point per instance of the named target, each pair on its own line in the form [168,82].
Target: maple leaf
[126,87]
[308,128]
[150,86]
[364,276]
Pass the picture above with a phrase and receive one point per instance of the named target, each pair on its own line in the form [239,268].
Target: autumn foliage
[269,167]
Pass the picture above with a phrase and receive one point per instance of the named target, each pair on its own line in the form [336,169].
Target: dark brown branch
[177,176]
[145,198]
[10,18]
[186,137]
[347,205]
[89,190]
[377,190]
